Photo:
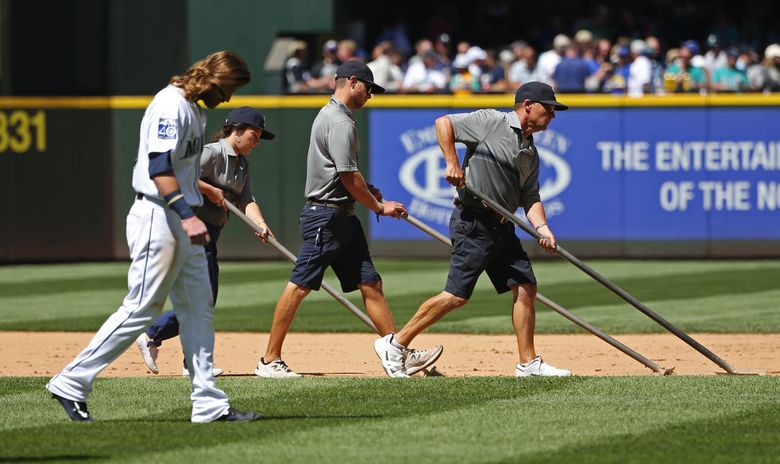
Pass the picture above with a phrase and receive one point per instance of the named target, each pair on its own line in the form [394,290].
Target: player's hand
[266,232]
[196,230]
[216,196]
[548,241]
[393,209]
[455,176]
[376,192]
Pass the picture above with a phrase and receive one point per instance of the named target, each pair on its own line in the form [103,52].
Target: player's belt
[348,208]
[482,212]
[141,196]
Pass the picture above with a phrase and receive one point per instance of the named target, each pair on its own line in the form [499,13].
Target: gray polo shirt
[222,167]
[499,161]
[333,148]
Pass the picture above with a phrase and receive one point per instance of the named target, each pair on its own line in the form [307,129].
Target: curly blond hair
[223,68]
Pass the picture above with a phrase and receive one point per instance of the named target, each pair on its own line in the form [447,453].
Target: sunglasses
[548,108]
[368,85]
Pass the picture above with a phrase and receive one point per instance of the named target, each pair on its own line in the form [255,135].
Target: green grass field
[490,420]
[698,296]
[642,419]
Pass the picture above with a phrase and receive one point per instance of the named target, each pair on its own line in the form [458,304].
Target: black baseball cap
[361,71]
[251,117]
[539,92]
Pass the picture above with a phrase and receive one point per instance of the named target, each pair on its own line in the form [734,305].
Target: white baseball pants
[164,263]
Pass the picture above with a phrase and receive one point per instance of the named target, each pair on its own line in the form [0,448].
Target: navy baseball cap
[361,71]
[539,92]
[251,117]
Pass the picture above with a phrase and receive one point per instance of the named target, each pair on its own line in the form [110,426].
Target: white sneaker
[539,368]
[276,369]
[419,360]
[214,371]
[148,352]
[392,358]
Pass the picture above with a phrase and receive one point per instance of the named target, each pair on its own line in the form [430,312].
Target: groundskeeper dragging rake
[559,309]
[330,290]
[563,253]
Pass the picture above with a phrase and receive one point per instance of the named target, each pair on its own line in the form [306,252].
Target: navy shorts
[332,238]
[481,243]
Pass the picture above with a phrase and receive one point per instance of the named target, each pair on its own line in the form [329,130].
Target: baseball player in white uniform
[166,240]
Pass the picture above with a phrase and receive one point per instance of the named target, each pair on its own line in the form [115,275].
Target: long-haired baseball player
[224,176]
[166,242]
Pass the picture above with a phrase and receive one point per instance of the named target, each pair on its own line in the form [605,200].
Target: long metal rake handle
[292,258]
[488,202]
[557,308]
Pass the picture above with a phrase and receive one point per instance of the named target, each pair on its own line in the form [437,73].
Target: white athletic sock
[395,344]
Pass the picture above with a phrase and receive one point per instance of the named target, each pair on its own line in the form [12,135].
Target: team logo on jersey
[167,129]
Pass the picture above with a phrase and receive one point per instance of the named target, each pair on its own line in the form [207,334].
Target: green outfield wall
[66,162]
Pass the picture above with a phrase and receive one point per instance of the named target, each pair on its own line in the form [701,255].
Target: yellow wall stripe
[403,101]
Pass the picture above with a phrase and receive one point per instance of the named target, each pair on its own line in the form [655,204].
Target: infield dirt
[352,355]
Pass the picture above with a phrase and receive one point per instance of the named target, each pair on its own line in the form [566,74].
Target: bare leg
[284,313]
[429,312]
[377,308]
[524,320]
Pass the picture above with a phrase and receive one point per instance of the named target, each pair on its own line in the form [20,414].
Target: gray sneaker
[276,369]
[149,351]
[419,360]
[538,368]
[392,358]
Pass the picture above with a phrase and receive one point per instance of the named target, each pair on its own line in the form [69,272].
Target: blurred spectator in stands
[584,39]
[387,74]
[423,76]
[570,74]
[749,62]
[323,73]
[333,54]
[769,80]
[346,50]
[549,60]
[421,47]
[617,76]
[443,47]
[296,76]
[656,63]
[525,69]
[715,56]
[728,78]
[462,81]
[517,47]
[603,51]
[682,75]
[493,77]
[640,69]
[506,57]
[476,56]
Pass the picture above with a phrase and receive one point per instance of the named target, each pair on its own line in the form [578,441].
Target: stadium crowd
[585,62]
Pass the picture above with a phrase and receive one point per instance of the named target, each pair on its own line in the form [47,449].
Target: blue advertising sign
[701,173]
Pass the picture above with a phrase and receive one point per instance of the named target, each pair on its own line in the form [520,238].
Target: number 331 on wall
[21,131]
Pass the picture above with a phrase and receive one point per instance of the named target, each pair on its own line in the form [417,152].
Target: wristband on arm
[160,163]
[176,202]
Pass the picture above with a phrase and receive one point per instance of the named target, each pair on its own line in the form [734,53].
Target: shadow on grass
[290,409]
